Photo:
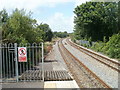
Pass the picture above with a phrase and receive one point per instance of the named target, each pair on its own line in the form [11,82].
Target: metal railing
[12,69]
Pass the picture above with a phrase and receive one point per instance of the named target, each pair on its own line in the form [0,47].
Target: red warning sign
[22,54]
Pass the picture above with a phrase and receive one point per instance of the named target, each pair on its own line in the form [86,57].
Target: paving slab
[61,84]
[23,85]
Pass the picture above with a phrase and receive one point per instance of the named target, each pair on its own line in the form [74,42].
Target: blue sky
[65,8]
[57,13]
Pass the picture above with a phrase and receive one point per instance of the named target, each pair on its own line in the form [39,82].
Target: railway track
[84,77]
[110,63]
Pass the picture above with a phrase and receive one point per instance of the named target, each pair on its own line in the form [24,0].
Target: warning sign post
[22,54]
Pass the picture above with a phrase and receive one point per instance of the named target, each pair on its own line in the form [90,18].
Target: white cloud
[28,4]
[79,2]
[58,22]
[33,4]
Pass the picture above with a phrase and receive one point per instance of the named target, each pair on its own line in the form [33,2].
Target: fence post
[16,61]
[42,62]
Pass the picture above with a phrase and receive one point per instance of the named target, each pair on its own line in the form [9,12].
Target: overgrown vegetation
[111,48]
[99,22]
[20,27]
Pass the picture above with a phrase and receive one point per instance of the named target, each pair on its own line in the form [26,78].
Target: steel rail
[81,49]
[62,47]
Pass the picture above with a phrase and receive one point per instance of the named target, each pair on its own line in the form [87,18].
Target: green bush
[110,48]
[98,46]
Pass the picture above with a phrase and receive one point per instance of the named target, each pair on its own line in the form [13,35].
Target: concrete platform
[53,62]
[23,85]
[59,64]
[61,84]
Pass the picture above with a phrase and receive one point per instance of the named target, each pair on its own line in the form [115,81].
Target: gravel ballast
[107,74]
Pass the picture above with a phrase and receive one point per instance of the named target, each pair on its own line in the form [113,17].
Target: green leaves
[61,34]
[99,21]
[95,20]
[46,32]
[21,28]
[21,25]
[3,16]
[110,48]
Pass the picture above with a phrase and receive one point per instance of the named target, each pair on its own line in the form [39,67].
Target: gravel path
[59,57]
[56,59]
[107,74]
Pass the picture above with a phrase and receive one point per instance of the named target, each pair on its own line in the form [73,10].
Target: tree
[119,16]
[61,34]
[3,20]
[3,16]
[20,27]
[46,32]
[95,20]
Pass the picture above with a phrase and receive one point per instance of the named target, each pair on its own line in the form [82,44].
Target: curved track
[110,63]
[84,77]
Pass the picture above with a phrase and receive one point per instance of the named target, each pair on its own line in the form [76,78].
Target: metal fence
[13,70]
[84,42]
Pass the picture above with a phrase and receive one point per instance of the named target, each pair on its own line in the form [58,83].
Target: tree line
[20,27]
[99,22]
[96,20]
[60,34]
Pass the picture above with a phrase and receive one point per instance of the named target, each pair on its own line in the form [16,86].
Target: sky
[58,14]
